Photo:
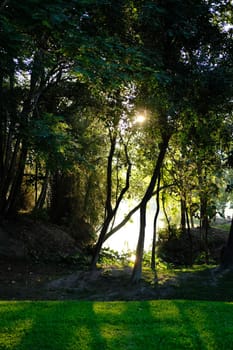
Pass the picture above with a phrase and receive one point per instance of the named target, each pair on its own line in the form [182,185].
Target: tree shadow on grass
[208,324]
[51,325]
[149,325]
[178,325]
[162,325]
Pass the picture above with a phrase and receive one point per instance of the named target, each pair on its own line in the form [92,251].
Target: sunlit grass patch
[160,324]
[11,335]
[224,226]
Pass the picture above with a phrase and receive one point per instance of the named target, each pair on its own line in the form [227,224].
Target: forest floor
[26,275]
[24,281]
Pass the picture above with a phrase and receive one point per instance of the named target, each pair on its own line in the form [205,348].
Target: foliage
[110,257]
[72,77]
[55,51]
[177,249]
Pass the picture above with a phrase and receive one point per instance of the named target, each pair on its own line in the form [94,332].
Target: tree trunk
[8,176]
[153,252]
[203,213]
[137,270]
[206,244]
[191,215]
[183,214]
[227,252]
[204,225]
[108,204]
[36,182]
[41,200]
[100,242]
[122,223]
[12,200]
[110,212]
[15,153]
[166,217]
[190,238]
[128,216]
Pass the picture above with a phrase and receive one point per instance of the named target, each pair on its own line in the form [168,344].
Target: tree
[118,164]
[48,53]
[165,134]
[177,37]
[33,64]
[73,74]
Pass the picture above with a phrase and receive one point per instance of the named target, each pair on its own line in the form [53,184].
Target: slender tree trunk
[190,237]
[153,250]
[127,217]
[137,270]
[204,226]
[8,175]
[110,212]
[100,242]
[41,200]
[2,128]
[36,182]
[11,206]
[166,216]
[15,154]
[123,223]
[191,217]
[204,216]
[183,214]
[206,245]
[108,204]
[227,252]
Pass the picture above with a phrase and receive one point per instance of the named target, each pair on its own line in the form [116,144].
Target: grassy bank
[146,325]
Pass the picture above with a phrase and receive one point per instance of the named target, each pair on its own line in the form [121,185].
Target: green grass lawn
[160,324]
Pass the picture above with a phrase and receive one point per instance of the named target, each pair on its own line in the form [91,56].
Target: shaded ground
[60,282]
[23,281]
[34,266]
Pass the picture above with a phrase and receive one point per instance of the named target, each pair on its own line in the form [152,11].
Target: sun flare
[132,258]
[140,118]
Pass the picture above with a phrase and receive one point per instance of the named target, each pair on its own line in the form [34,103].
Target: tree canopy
[73,77]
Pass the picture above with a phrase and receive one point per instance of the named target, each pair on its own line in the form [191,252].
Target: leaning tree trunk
[227,252]
[100,241]
[41,200]
[110,212]
[137,270]
[12,201]
[9,172]
[169,228]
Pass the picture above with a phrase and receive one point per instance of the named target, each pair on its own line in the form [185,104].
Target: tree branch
[130,214]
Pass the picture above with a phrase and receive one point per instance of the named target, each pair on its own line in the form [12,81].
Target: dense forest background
[109,102]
